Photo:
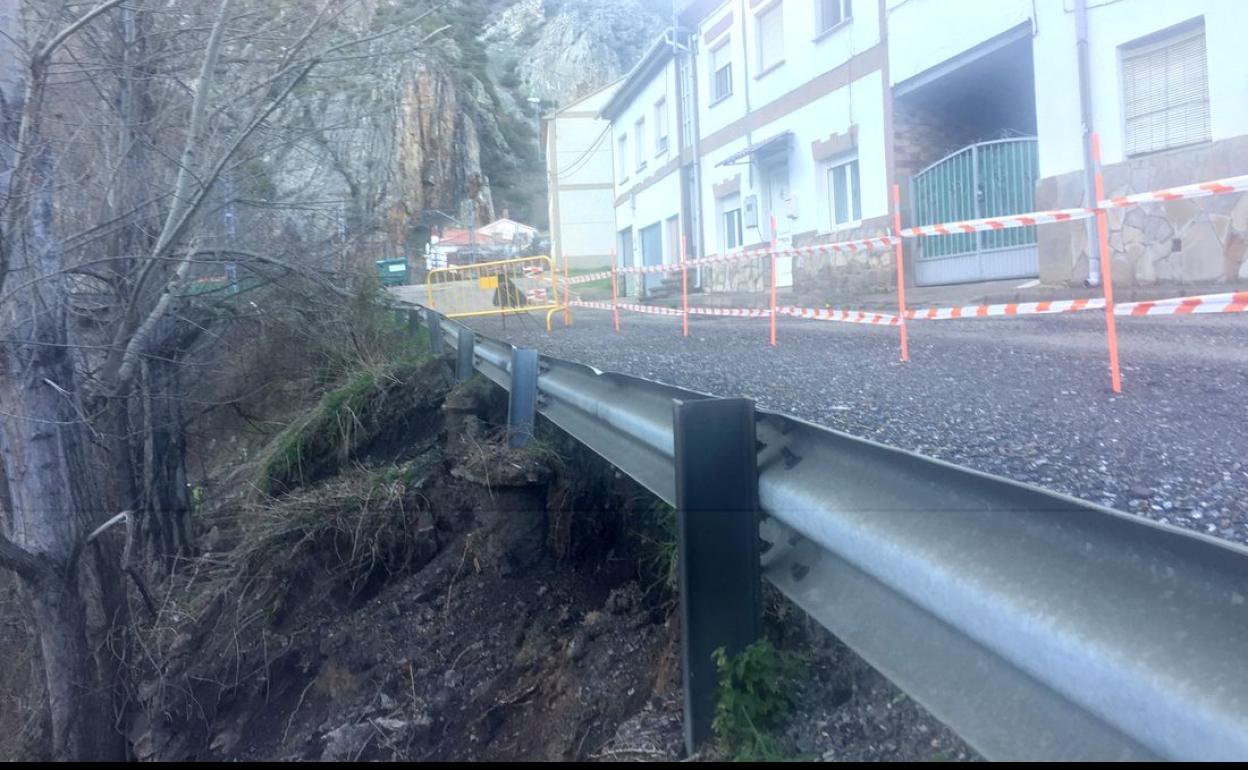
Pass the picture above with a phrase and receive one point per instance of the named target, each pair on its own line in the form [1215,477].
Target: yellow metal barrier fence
[521,285]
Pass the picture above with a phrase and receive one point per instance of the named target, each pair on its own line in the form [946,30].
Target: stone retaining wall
[1185,241]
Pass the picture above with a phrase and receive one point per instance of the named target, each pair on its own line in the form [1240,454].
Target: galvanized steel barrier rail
[1036,625]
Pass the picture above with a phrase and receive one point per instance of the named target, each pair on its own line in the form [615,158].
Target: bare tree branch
[47,50]
[21,562]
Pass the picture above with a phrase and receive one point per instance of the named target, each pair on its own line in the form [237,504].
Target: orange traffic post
[899,252]
[1107,277]
[684,289]
[773,280]
[567,296]
[615,296]
[554,294]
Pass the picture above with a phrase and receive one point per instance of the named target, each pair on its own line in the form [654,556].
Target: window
[830,13]
[770,38]
[731,235]
[721,66]
[1165,85]
[639,149]
[844,196]
[660,126]
[622,143]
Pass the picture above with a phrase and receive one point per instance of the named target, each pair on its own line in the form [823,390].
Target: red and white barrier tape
[650,309]
[1207,303]
[588,278]
[1199,190]
[1236,302]
[1233,302]
[817,314]
[822,249]
[997,223]
[731,312]
[590,305]
[843,316]
[819,249]
[1007,309]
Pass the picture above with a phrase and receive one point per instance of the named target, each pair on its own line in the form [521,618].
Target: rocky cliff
[565,49]
[450,133]
[468,129]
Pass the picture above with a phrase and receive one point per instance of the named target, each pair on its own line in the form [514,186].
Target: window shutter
[1166,93]
[770,37]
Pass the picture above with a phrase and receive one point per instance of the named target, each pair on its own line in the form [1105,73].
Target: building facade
[805,113]
[650,217]
[793,142]
[1169,96]
[580,182]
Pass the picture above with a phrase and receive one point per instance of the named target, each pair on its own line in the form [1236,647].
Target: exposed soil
[513,620]
[442,597]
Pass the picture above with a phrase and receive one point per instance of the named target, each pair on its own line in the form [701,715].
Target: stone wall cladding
[1202,240]
[818,276]
[847,273]
[748,276]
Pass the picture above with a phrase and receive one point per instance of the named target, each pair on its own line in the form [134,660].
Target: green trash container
[393,272]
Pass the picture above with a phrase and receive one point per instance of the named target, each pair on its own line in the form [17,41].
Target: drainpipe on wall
[1085,116]
[691,60]
[749,134]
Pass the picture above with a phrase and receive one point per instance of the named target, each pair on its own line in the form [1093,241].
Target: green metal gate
[983,180]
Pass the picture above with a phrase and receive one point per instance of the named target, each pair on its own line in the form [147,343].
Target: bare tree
[102,228]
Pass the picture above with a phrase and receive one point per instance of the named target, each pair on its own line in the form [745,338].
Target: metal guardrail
[1037,626]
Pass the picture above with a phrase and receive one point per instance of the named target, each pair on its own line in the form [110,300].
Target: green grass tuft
[753,698]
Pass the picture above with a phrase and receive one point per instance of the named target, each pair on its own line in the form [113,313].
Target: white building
[1168,95]
[580,183]
[808,111]
[1169,98]
[510,231]
[647,195]
[793,128]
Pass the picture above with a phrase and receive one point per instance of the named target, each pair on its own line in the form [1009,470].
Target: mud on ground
[506,607]
[445,598]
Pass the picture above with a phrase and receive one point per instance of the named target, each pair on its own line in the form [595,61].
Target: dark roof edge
[654,59]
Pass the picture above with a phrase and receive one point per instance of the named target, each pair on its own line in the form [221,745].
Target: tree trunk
[166,513]
[79,707]
[41,452]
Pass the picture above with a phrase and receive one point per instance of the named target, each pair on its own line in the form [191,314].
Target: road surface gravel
[1026,398]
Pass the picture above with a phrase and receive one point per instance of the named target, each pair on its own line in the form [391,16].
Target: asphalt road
[1027,398]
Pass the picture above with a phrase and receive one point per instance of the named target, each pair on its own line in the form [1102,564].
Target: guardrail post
[522,400]
[413,322]
[717,509]
[433,322]
[465,344]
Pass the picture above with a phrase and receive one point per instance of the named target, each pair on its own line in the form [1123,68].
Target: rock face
[448,135]
[566,49]
[438,143]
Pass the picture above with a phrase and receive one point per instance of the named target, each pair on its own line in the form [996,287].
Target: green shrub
[753,698]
